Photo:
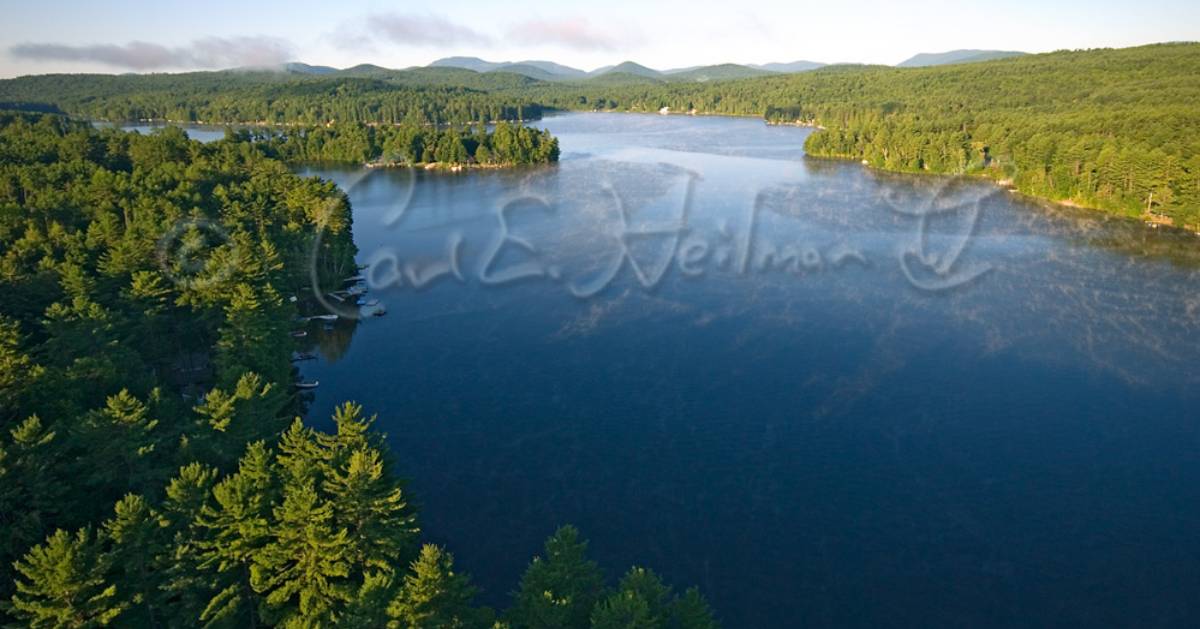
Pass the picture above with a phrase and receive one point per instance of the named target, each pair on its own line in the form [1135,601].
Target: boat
[299,334]
[356,290]
[368,302]
[356,278]
[324,317]
[339,295]
[308,385]
[299,356]
[376,310]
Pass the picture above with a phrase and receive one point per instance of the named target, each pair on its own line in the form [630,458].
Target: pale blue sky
[123,35]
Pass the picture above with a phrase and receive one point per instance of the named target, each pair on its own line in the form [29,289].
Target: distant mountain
[789,68]
[556,69]
[531,71]
[716,73]
[303,68]
[926,59]
[533,68]
[629,67]
[470,63]
[368,71]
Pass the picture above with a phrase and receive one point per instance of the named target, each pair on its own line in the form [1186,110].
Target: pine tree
[369,607]
[17,369]
[137,547]
[559,589]
[63,584]
[30,495]
[187,586]
[433,596]
[231,420]
[624,610]
[302,571]
[370,505]
[122,438]
[238,526]
[691,611]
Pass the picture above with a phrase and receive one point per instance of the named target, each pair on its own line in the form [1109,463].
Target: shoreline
[1006,184]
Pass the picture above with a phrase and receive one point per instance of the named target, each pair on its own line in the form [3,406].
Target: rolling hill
[927,59]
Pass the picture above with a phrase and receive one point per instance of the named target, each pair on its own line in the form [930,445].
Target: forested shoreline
[1112,129]
[153,470]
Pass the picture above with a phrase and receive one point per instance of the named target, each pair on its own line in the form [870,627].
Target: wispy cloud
[407,29]
[574,33]
[210,52]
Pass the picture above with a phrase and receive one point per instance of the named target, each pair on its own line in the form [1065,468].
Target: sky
[132,35]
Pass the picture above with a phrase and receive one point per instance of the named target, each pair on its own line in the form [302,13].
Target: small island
[452,148]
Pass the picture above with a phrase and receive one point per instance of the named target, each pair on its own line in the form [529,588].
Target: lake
[827,396]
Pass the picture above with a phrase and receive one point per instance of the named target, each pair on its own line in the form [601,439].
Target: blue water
[998,427]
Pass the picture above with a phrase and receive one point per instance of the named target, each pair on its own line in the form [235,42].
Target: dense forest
[447,96]
[505,145]
[1117,129]
[152,471]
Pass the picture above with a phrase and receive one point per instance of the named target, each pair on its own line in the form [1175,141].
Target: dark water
[983,416]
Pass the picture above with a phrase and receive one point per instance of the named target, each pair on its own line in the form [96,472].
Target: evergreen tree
[239,526]
[302,570]
[433,596]
[63,584]
[559,589]
[137,545]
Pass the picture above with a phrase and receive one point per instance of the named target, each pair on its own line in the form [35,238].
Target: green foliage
[507,145]
[434,596]
[560,587]
[643,601]
[63,584]
[388,97]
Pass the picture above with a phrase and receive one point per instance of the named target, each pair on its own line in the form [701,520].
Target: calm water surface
[936,404]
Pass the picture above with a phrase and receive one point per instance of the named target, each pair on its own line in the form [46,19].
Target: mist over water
[906,401]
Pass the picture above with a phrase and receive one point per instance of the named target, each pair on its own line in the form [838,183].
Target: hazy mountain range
[628,70]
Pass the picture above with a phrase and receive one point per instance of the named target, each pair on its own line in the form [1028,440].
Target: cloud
[210,52]
[406,29]
[575,33]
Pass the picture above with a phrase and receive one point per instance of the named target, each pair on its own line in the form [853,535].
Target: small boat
[374,311]
[357,278]
[340,296]
[299,334]
[356,290]
[368,302]
[324,317]
[363,267]
[308,385]
[299,356]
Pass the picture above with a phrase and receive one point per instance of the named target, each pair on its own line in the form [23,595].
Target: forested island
[1113,129]
[408,144]
[153,472]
